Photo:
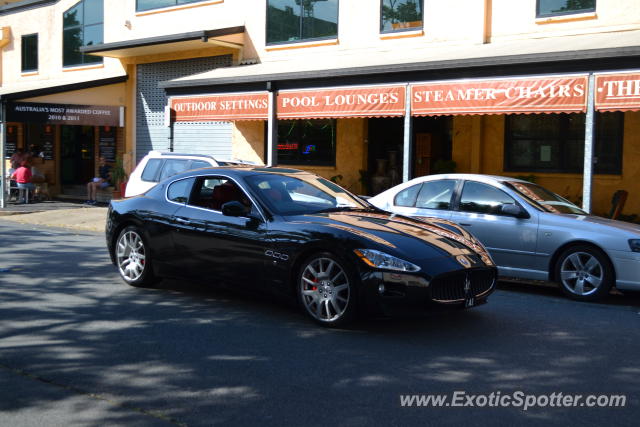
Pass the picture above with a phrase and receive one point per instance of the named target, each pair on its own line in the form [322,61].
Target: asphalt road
[78,347]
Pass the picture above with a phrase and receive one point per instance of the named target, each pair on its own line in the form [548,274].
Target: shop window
[307,142]
[30,53]
[546,8]
[555,143]
[82,26]
[142,5]
[295,20]
[399,15]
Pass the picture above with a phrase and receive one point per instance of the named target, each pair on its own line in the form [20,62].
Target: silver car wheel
[131,256]
[324,289]
[581,273]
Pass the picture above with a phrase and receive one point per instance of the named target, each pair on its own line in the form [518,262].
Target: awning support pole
[406,148]
[3,147]
[272,129]
[589,132]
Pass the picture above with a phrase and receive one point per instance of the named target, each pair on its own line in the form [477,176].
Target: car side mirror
[234,208]
[513,210]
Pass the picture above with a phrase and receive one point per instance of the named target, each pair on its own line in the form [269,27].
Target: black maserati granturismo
[294,233]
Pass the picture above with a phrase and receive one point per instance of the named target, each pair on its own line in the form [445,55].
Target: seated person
[101,181]
[22,176]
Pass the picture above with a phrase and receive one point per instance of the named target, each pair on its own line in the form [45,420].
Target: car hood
[597,222]
[404,236]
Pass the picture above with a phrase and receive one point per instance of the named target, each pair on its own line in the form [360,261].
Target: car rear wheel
[133,258]
[326,290]
[584,273]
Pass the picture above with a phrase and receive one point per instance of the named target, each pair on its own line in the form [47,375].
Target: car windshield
[302,194]
[544,199]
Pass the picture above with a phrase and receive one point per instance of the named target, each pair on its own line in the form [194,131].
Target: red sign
[239,106]
[374,101]
[528,95]
[618,92]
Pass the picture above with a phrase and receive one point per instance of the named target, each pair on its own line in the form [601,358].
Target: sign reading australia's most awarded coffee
[63,114]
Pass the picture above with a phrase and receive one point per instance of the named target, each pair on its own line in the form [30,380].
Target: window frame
[569,12]
[400,30]
[301,29]
[565,153]
[23,53]
[176,4]
[85,60]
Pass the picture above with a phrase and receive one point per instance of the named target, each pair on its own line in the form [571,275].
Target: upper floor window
[142,5]
[398,15]
[82,26]
[297,20]
[30,53]
[564,7]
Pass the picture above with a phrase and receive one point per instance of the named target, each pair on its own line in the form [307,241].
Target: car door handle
[182,220]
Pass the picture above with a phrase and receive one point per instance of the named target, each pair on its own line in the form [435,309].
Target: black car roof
[244,170]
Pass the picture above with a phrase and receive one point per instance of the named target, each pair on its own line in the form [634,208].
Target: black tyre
[584,273]
[133,258]
[326,290]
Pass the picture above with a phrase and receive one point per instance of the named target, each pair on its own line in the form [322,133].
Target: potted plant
[118,179]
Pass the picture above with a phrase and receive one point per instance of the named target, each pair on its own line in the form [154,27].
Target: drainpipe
[6,38]
[589,132]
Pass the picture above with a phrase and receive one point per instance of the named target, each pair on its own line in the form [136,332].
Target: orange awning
[363,101]
[618,92]
[558,94]
[229,107]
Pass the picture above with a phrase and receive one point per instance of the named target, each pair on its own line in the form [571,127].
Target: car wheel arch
[556,256]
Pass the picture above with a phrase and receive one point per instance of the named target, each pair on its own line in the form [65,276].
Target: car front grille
[451,287]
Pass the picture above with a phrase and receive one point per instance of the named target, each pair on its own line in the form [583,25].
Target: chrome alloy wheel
[131,256]
[581,273]
[325,289]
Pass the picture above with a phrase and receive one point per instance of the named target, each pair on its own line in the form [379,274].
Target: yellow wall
[469,131]
[248,141]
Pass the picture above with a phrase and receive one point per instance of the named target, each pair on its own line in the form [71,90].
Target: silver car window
[436,194]
[408,196]
[483,198]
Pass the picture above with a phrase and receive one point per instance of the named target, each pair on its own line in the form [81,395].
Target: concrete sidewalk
[58,214]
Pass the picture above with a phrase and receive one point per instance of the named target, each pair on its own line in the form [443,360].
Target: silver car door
[511,241]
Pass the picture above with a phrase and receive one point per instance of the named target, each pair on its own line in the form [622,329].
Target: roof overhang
[231,37]
[531,56]
[48,87]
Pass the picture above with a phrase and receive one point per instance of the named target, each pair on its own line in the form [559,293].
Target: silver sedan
[531,232]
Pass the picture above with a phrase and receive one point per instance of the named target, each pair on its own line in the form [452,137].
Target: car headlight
[379,259]
[634,244]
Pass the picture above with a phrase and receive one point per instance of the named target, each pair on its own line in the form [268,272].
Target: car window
[150,171]
[436,194]
[198,164]
[302,194]
[408,196]
[172,167]
[212,192]
[483,198]
[179,191]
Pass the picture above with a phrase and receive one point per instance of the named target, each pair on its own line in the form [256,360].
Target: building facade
[364,93]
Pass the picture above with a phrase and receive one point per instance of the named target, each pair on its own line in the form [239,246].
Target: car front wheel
[326,290]
[133,258]
[584,273]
